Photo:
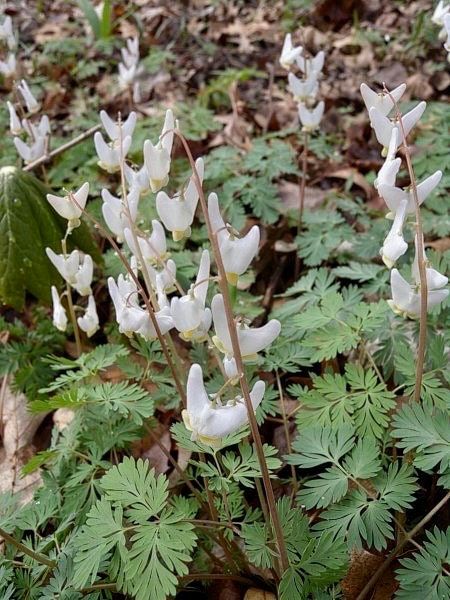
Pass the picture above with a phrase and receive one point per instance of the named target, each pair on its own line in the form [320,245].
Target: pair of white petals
[75,269]
[177,213]
[157,157]
[70,207]
[237,253]
[303,89]
[7,33]
[310,118]
[394,196]
[30,152]
[59,312]
[311,66]
[30,101]
[189,314]
[89,321]
[113,154]
[383,126]
[209,421]
[152,248]
[117,215]
[8,67]
[289,52]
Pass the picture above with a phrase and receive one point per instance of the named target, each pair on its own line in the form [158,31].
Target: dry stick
[421,349]
[408,537]
[276,524]
[147,303]
[40,558]
[60,149]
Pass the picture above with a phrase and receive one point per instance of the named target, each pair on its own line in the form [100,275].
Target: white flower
[31,152]
[42,130]
[393,196]
[310,119]
[111,155]
[210,421]
[83,277]
[152,248]
[130,316]
[303,89]
[188,312]
[406,298]
[251,340]
[381,101]
[447,31]
[157,158]
[126,76]
[117,131]
[435,280]
[137,179]
[59,313]
[7,33]
[237,253]
[164,279]
[116,214]
[9,66]
[89,321]
[177,213]
[30,101]
[15,125]
[67,208]
[388,172]
[383,126]
[289,53]
[130,54]
[440,12]
[67,265]
[311,65]
[394,245]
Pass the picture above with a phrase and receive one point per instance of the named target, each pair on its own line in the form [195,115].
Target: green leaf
[91,16]
[257,540]
[318,446]
[423,575]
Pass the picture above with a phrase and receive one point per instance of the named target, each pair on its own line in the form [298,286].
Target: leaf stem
[40,558]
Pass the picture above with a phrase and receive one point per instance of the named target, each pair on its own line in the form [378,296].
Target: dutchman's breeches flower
[67,265]
[8,67]
[83,277]
[312,65]
[31,152]
[310,119]
[15,126]
[157,158]
[303,89]
[117,215]
[210,421]
[289,53]
[406,298]
[177,213]
[59,313]
[89,321]
[153,248]
[383,126]
[381,101]
[67,208]
[394,196]
[251,340]
[188,312]
[137,179]
[388,172]
[118,131]
[237,253]
[394,245]
[111,155]
[30,101]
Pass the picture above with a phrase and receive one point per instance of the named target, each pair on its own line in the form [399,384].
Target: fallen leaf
[257,594]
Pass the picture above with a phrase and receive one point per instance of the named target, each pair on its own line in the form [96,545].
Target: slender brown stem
[407,537]
[301,196]
[421,349]
[286,432]
[40,558]
[283,556]
[48,157]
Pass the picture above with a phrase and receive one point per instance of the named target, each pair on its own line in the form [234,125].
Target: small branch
[48,157]
[301,196]
[40,558]
[407,538]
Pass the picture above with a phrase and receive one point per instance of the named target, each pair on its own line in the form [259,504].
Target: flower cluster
[441,17]
[391,134]
[149,312]
[76,269]
[304,89]
[129,67]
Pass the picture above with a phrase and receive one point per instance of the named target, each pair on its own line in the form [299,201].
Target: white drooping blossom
[30,101]
[129,67]
[41,130]
[211,420]
[289,53]
[89,321]
[388,172]
[251,339]
[310,119]
[30,152]
[237,253]
[313,65]
[67,208]
[393,196]
[111,155]
[303,89]
[75,269]
[153,248]
[130,317]
[59,312]
[118,131]
[15,124]
[8,67]
[382,101]
[188,312]
[163,279]
[383,126]
[83,277]
[394,245]
[406,297]
[439,15]
[137,179]
[7,33]
[447,33]
[157,157]
[177,213]
[117,215]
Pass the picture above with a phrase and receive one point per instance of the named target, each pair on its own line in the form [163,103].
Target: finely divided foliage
[202,431]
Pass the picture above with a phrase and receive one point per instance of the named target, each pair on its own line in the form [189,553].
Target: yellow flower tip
[73,224]
[108,168]
[232,278]
[387,261]
[157,184]
[177,235]
[250,357]
[384,152]
[186,419]
[210,441]
[187,335]
[218,344]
